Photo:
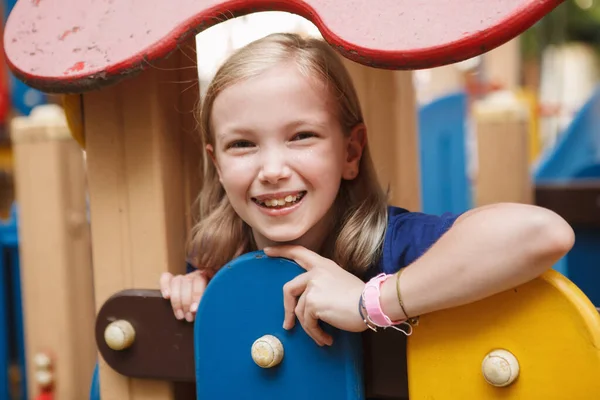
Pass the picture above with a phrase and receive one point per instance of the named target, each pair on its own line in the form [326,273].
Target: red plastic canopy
[77,45]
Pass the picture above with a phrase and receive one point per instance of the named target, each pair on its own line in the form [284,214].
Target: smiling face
[281,154]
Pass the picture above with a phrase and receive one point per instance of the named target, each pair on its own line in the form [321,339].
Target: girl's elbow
[565,239]
[555,236]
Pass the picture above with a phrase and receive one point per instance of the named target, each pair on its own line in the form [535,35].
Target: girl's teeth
[281,202]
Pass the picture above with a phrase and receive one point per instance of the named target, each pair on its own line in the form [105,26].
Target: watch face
[243,352]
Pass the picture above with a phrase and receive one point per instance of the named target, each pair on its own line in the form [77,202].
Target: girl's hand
[326,292]
[184,291]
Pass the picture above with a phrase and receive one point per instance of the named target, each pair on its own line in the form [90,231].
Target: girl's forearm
[487,251]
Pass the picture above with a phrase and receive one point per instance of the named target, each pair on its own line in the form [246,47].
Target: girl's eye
[303,135]
[240,144]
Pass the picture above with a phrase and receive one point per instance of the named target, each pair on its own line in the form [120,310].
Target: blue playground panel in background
[577,151]
[12,345]
[576,157]
[442,141]
[95,385]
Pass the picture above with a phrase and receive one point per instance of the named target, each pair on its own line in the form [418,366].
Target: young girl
[288,171]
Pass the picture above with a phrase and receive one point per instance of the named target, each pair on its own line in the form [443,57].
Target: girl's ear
[354,149]
[211,153]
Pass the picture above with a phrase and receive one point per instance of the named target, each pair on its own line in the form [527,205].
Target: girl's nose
[274,167]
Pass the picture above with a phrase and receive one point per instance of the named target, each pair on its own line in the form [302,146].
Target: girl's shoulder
[409,235]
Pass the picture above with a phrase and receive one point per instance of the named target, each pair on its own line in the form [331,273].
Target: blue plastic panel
[244,302]
[577,149]
[4,330]
[95,385]
[444,181]
[583,263]
[12,339]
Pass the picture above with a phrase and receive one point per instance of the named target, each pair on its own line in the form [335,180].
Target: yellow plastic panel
[548,324]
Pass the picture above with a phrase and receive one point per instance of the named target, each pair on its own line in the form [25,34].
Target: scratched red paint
[78,66]
[406,34]
[68,32]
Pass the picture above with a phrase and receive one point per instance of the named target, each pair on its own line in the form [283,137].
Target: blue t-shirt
[409,235]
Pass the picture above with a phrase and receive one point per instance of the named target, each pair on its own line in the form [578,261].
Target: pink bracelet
[370,296]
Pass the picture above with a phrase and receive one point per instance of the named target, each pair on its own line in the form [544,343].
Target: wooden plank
[502,66]
[192,147]
[55,255]
[389,109]
[502,153]
[135,142]
[407,170]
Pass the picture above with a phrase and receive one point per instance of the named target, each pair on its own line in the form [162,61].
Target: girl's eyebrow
[295,124]
[319,123]
[234,131]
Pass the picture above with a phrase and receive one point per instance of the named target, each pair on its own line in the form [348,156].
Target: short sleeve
[409,235]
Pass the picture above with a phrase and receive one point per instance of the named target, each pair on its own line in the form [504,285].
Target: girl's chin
[283,238]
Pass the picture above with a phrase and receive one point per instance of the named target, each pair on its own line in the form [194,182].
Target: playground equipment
[567,177]
[12,348]
[21,97]
[55,255]
[442,143]
[567,180]
[143,175]
[455,175]
[444,358]
[503,167]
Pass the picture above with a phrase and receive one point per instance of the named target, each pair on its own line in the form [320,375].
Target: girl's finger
[299,309]
[307,259]
[291,290]
[165,284]
[312,328]
[198,286]
[301,314]
[186,297]
[176,297]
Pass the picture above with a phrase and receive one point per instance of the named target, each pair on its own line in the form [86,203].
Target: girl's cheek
[307,158]
[236,166]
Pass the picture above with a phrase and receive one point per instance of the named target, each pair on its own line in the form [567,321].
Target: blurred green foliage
[572,21]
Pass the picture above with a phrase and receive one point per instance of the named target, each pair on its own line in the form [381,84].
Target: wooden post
[502,65]
[438,82]
[144,169]
[388,102]
[502,152]
[54,247]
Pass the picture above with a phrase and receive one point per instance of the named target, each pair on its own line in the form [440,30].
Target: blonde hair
[360,209]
